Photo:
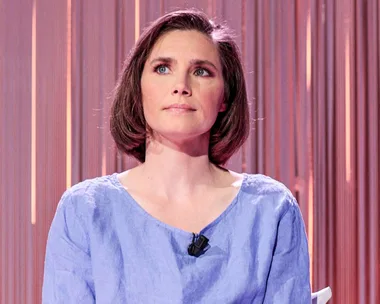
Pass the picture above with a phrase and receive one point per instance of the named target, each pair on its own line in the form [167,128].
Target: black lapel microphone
[197,245]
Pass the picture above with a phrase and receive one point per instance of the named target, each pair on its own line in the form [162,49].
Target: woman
[179,228]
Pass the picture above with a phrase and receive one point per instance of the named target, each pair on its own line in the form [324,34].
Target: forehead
[182,44]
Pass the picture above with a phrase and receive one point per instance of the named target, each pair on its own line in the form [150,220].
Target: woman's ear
[223,107]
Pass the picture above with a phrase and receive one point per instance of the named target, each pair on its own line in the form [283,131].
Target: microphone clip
[197,246]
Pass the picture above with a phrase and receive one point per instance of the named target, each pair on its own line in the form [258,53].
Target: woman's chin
[181,136]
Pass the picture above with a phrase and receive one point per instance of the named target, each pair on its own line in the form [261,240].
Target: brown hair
[231,128]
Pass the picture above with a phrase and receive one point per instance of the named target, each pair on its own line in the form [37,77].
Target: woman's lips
[180,108]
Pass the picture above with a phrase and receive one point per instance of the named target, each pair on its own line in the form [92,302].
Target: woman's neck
[179,168]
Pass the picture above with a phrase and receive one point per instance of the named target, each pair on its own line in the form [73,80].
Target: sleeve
[289,275]
[67,273]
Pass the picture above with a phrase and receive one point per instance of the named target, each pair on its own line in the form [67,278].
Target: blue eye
[202,72]
[161,69]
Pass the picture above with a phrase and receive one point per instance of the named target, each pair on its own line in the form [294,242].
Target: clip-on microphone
[197,246]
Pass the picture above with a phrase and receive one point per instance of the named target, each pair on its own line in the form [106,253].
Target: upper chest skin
[193,213]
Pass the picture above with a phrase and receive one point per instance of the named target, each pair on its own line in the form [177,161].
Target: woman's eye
[202,72]
[162,69]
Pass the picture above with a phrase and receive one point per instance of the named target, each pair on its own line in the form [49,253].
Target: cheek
[215,97]
[149,93]
[153,91]
[146,88]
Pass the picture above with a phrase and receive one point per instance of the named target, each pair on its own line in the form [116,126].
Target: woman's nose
[182,87]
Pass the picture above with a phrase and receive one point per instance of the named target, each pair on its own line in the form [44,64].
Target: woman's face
[182,85]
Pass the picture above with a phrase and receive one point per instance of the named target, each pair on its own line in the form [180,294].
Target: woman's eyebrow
[192,61]
[202,62]
[163,59]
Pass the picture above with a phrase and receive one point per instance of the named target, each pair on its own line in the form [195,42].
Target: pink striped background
[313,75]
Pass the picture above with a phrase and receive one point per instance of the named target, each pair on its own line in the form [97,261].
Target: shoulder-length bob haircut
[231,128]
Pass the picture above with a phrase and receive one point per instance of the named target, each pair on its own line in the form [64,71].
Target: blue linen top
[104,247]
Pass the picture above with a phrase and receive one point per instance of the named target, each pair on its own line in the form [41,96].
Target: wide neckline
[115,180]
